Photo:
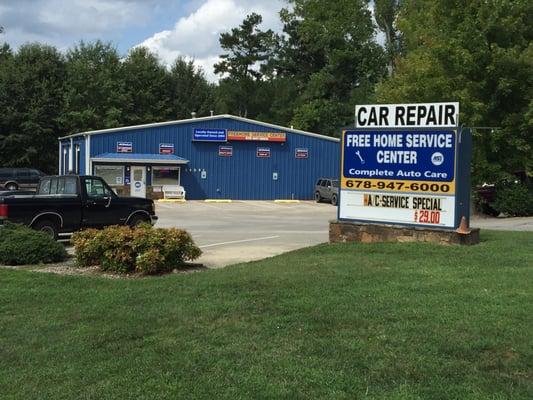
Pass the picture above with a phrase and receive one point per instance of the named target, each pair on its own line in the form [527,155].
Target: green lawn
[383,321]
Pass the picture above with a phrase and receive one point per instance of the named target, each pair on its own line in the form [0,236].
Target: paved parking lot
[241,231]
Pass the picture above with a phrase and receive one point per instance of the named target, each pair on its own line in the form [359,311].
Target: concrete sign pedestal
[342,232]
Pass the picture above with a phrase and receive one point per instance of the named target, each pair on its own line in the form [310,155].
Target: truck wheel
[318,198]
[12,186]
[48,227]
[136,220]
[334,200]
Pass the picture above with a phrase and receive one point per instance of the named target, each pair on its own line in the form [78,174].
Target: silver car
[327,189]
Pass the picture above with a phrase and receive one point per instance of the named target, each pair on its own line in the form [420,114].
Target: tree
[95,96]
[386,13]
[190,90]
[479,53]
[31,99]
[329,51]
[147,86]
[248,48]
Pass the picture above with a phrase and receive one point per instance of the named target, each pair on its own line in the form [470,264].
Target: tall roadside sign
[406,164]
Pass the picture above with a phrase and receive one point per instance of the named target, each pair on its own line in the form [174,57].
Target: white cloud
[62,23]
[196,36]
[92,16]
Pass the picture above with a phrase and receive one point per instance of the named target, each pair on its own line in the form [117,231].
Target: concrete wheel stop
[343,232]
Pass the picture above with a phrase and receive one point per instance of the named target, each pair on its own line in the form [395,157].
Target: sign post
[406,166]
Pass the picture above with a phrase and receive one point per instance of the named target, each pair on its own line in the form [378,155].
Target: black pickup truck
[69,203]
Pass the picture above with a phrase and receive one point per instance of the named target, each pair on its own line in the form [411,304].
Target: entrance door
[138,182]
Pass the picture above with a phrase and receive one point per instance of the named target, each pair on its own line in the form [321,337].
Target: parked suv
[327,189]
[19,178]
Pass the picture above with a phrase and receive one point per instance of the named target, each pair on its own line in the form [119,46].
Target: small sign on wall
[263,152]
[124,147]
[301,153]
[257,136]
[166,148]
[225,151]
[209,135]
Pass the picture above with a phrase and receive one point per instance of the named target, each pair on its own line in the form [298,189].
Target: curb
[218,200]
[171,201]
[287,201]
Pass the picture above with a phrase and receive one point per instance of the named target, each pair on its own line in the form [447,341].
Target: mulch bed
[69,267]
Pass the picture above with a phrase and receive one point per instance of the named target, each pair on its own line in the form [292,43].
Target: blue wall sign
[124,147]
[210,135]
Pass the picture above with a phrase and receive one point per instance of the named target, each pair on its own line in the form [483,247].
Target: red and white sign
[124,147]
[301,153]
[263,152]
[166,148]
[401,208]
[225,151]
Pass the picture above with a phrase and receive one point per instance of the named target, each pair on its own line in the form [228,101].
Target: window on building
[112,174]
[165,176]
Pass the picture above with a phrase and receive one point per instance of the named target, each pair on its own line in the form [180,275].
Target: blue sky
[170,28]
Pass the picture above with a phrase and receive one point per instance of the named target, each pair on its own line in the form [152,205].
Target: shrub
[514,199]
[88,251]
[142,249]
[20,245]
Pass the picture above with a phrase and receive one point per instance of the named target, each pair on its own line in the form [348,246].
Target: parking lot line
[238,241]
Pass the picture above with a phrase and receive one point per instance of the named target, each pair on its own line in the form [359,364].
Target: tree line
[328,58]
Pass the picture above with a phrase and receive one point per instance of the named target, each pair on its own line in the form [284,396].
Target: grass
[382,321]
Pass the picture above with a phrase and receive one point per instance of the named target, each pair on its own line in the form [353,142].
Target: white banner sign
[423,115]
[419,209]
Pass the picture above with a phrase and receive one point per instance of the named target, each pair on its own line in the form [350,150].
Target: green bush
[20,245]
[143,249]
[514,199]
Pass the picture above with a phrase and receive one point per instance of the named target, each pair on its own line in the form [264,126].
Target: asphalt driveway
[242,231]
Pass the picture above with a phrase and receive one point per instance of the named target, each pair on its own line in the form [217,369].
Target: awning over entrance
[139,158]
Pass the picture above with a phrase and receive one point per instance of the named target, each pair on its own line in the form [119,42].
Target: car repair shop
[216,157]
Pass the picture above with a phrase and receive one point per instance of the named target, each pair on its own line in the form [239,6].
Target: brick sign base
[342,232]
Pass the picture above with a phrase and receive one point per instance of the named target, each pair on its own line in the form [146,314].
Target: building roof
[201,119]
[140,158]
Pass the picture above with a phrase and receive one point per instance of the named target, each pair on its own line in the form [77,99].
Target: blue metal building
[219,157]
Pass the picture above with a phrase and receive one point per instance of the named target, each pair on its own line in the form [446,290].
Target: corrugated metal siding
[243,176]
